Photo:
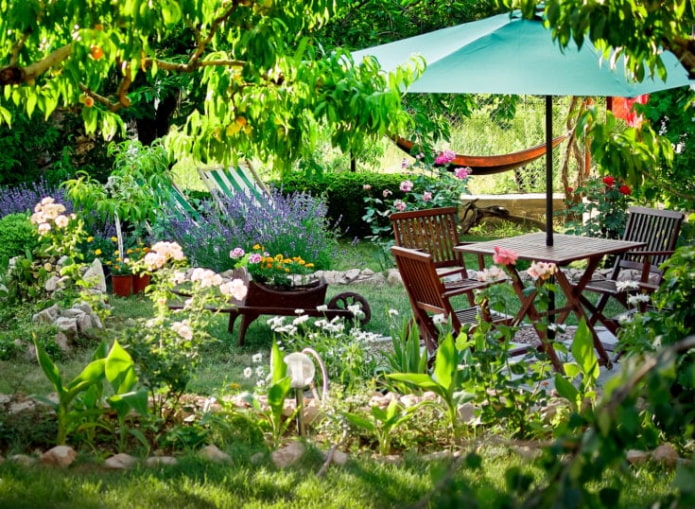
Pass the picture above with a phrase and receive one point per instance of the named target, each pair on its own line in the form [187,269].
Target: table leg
[529,309]
[573,293]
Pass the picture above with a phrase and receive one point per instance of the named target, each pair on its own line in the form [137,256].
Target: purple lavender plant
[24,197]
[294,225]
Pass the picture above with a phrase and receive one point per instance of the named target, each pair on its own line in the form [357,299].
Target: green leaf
[583,351]
[278,368]
[49,369]
[120,370]
[360,422]
[445,362]
[279,391]
[566,389]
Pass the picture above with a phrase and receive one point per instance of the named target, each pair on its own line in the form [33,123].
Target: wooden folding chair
[433,231]
[660,230]
[429,295]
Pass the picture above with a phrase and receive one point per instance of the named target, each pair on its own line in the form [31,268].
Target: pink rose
[462,173]
[426,196]
[387,193]
[445,157]
[237,252]
[255,258]
[400,205]
[406,186]
[504,256]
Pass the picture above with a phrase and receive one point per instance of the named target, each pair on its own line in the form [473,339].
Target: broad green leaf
[583,351]
[360,422]
[566,389]
[278,392]
[49,369]
[445,362]
[278,368]
[119,369]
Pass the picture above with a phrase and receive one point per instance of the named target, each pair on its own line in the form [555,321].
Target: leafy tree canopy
[265,84]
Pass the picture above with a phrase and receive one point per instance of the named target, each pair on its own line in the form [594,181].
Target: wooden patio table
[565,249]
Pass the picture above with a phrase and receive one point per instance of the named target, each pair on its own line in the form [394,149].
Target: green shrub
[345,194]
[17,235]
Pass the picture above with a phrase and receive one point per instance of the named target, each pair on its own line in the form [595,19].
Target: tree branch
[15,75]
[195,57]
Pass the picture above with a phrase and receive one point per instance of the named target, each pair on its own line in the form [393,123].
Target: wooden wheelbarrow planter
[263,300]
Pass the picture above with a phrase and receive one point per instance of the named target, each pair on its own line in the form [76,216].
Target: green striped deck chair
[174,201]
[225,182]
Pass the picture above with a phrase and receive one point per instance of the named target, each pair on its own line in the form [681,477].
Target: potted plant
[130,195]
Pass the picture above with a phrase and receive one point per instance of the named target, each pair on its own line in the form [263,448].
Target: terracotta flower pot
[122,284]
[140,282]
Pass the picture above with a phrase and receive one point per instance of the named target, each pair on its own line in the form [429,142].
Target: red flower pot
[122,284]
[140,282]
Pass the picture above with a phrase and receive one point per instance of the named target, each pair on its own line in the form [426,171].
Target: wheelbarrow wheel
[346,299]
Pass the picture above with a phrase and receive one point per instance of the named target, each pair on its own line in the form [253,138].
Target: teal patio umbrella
[505,54]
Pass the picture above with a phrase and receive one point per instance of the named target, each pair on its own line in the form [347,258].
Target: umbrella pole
[548,170]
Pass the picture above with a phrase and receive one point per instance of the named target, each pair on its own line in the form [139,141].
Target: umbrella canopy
[506,54]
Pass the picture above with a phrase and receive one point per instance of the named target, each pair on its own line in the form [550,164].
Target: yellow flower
[256,247]
[97,252]
[90,238]
[114,239]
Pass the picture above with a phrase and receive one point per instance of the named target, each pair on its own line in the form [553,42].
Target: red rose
[625,189]
[608,180]
[570,190]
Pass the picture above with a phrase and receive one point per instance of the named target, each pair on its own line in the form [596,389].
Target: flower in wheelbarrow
[504,256]
[236,289]
[237,252]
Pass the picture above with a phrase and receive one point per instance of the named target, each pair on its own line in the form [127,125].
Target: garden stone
[351,275]
[59,456]
[214,454]
[46,315]
[120,461]
[410,400]
[5,398]
[288,455]
[21,406]
[666,455]
[466,412]
[393,277]
[94,275]
[29,349]
[161,461]
[51,284]
[635,457]
[66,324]
[257,459]
[23,459]
[72,313]
[62,341]
[339,457]
[84,322]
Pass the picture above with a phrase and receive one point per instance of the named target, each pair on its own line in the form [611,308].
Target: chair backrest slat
[433,231]
[658,228]
[424,288]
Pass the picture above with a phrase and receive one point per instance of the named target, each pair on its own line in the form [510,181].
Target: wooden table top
[565,248]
